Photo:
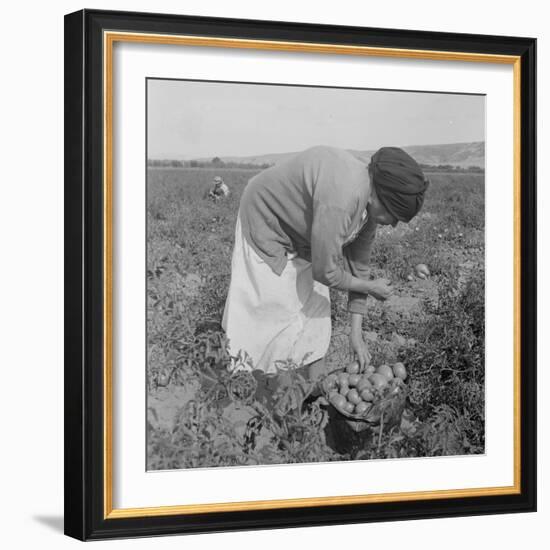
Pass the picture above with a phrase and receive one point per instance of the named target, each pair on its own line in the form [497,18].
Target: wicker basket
[386,408]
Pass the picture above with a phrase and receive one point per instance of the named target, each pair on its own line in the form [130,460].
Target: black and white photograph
[315,274]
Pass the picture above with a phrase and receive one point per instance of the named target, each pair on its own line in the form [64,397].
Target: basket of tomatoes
[370,398]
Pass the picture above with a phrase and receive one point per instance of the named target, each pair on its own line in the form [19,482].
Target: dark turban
[399,182]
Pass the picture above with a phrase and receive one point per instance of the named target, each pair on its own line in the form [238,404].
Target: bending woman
[304,226]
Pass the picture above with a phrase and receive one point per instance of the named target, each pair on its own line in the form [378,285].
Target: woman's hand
[356,341]
[360,349]
[380,289]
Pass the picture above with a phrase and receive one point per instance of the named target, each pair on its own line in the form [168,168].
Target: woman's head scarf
[399,182]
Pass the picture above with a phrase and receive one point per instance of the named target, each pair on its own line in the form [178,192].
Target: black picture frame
[85,517]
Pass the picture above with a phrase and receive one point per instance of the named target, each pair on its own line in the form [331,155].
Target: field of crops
[434,326]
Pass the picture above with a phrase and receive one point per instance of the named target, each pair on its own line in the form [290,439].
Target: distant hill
[461,155]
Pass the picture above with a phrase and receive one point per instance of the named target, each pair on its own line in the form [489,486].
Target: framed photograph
[300,274]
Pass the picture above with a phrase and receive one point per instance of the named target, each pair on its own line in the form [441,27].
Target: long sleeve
[356,258]
[328,232]
[308,203]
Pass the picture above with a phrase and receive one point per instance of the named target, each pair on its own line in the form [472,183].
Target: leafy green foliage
[277,427]
[448,368]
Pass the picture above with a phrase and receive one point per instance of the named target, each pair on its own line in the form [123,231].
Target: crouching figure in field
[219,190]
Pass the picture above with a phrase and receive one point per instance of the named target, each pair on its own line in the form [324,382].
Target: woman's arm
[357,259]
[377,288]
[357,262]
[329,229]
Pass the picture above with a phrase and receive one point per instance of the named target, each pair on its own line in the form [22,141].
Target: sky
[188,119]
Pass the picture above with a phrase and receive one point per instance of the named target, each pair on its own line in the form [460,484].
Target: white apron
[275,317]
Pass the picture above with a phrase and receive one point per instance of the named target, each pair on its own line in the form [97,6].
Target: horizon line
[203,157]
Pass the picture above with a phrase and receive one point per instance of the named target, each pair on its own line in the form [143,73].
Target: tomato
[354,379]
[385,371]
[400,371]
[422,271]
[379,381]
[370,370]
[338,401]
[361,407]
[366,395]
[353,368]
[353,397]
[364,384]
[349,407]
[343,378]
[330,383]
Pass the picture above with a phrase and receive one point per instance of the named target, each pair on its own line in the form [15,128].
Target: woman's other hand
[356,341]
[360,349]
[380,289]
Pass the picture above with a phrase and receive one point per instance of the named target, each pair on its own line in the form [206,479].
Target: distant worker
[219,190]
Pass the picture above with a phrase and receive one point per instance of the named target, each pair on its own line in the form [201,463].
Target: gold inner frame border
[109,39]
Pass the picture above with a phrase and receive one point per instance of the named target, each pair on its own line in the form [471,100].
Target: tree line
[216,162]
[452,168]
